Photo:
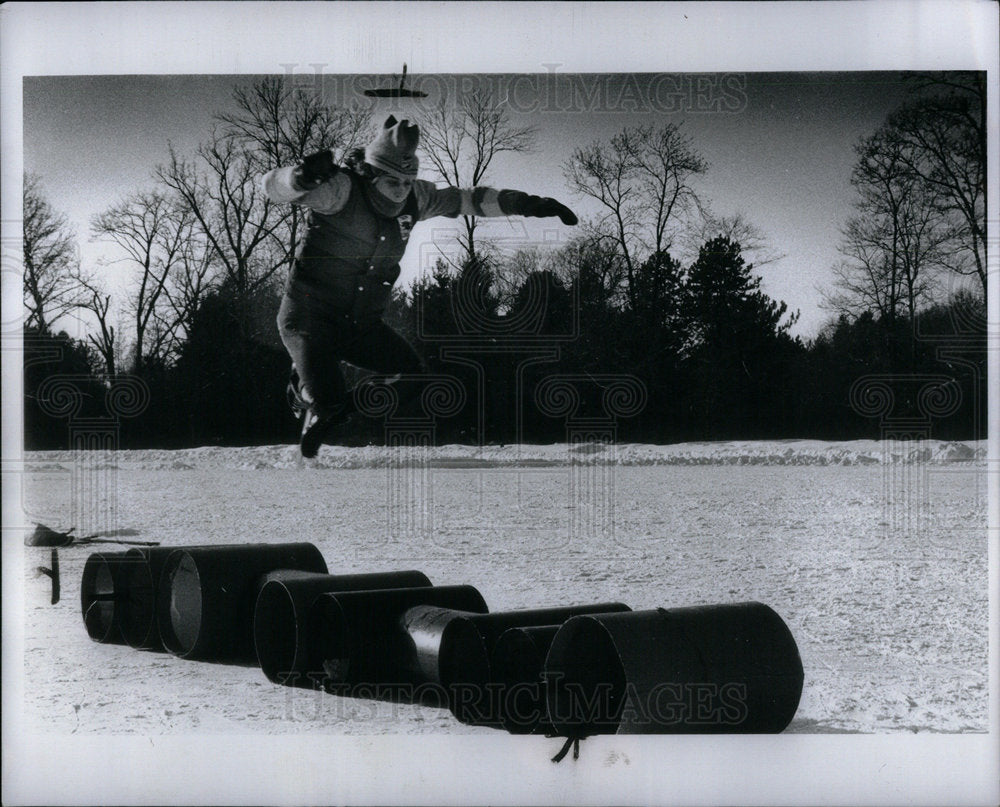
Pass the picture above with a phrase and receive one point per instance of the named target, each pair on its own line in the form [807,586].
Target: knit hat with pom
[393,151]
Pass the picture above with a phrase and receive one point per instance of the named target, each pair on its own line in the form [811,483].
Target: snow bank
[777,452]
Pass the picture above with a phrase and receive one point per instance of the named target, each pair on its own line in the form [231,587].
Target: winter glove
[550,207]
[522,204]
[315,170]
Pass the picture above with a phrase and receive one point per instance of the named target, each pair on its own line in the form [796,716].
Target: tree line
[655,290]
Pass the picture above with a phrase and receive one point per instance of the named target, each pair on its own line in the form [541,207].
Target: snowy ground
[874,553]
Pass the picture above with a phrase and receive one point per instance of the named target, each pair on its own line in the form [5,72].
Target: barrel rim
[88,599]
[274,593]
[164,621]
[603,644]
[500,669]
[150,631]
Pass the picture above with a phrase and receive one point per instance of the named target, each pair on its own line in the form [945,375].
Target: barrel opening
[465,672]
[463,657]
[98,595]
[585,680]
[181,604]
[517,672]
[330,649]
[99,619]
[276,634]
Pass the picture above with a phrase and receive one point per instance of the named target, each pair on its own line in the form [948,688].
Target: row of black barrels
[571,671]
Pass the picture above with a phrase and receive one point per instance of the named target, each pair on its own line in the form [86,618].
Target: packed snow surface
[874,553]
[782,452]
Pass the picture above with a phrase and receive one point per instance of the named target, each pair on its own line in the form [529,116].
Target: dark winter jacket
[349,258]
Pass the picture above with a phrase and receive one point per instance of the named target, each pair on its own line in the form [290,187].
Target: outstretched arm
[316,183]
[488,202]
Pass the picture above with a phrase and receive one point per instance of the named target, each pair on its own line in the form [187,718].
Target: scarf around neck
[381,204]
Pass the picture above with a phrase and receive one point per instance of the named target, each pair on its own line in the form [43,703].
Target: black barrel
[365,650]
[279,623]
[206,597]
[707,670]
[516,672]
[101,592]
[453,647]
[141,576]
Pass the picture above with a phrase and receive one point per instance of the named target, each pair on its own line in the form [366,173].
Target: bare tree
[152,231]
[943,143]
[99,302]
[862,282]
[461,139]
[246,233]
[596,266]
[276,123]
[895,241]
[642,178]
[51,266]
[193,276]
[279,124]
[605,174]
[516,269]
[923,240]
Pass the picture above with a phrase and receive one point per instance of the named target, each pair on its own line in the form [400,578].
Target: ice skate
[318,426]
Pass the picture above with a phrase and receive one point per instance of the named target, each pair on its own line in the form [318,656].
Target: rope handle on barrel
[571,742]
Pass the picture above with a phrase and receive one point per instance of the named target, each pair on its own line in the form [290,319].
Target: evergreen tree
[736,335]
[54,357]
[655,333]
[231,374]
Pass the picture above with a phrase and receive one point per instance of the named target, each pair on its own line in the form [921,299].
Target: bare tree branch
[99,303]
[151,230]
[899,238]
[753,242]
[642,179]
[943,144]
[460,140]
[51,265]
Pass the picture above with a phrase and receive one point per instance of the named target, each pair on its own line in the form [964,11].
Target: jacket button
[361,288]
[381,238]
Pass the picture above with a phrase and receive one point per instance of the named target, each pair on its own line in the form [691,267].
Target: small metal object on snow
[571,742]
[53,573]
[46,536]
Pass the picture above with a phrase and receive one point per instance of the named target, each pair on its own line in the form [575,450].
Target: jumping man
[341,283]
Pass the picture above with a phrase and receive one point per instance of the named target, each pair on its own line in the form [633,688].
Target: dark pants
[318,342]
